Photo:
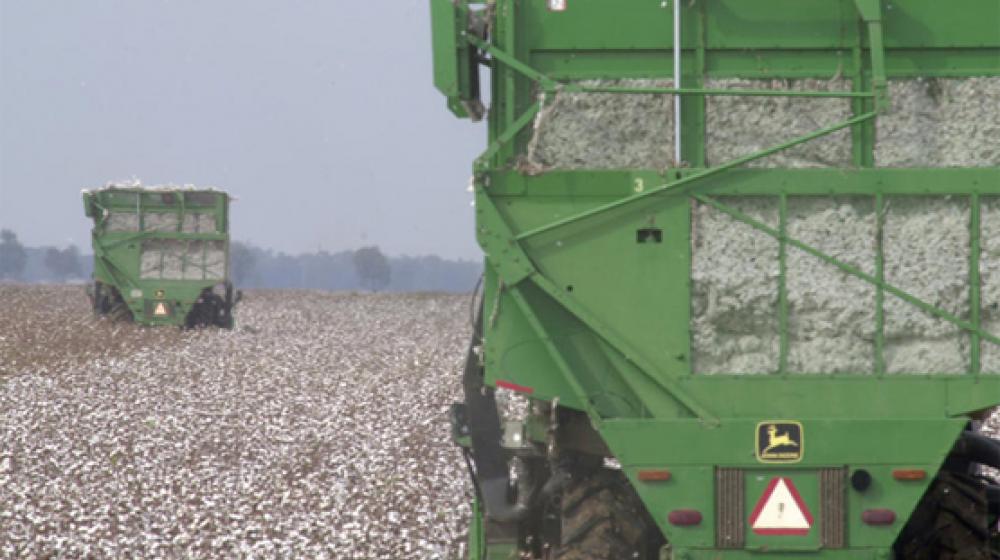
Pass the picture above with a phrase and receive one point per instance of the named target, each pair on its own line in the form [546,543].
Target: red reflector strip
[514,387]
[684,517]
[878,516]
[909,474]
[654,475]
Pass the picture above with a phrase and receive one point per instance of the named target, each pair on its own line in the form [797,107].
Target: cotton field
[315,429]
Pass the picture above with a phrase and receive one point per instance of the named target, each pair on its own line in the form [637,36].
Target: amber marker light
[654,475]
[909,474]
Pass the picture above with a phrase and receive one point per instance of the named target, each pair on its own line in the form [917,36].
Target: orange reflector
[909,474]
[654,475]
[684,517]
[878,516]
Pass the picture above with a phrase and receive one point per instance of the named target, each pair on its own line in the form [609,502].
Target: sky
[320,116]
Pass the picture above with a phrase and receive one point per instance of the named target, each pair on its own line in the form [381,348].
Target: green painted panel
[513,330]
[690,450]
[514,352]
[925,23]
[561,192]
[690,487]
[885,492]
[858,396]
[915,62]
[594,25]
[828,441]
[788,24]
[451,55]
[649,305]
[766,24]
[880,553]
[854,181]
[445,47]
[693,487]
[900,63]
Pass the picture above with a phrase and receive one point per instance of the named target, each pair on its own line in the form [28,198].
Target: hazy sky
[319,115]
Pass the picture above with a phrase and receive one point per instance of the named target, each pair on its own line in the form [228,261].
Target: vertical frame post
[696,117]
[975,303]
[510,77]
[871,14]
[862,134]
[677,82]
[879,291]
[783,284]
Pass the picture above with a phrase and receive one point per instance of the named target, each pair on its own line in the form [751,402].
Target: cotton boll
[296,438]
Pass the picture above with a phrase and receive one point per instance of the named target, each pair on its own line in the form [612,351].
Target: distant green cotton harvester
[743,264]
[161,254]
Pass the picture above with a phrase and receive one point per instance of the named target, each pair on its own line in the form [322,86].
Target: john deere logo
[779,442]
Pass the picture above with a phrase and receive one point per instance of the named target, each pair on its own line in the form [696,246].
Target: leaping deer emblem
[774,439]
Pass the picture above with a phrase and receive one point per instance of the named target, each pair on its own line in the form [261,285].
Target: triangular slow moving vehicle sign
[781,510]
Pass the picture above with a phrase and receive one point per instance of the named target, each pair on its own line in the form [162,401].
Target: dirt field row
[316,429]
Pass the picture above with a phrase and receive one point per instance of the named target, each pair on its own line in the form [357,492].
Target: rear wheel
[225,319]
[603,519]
[952,522]
[212,309]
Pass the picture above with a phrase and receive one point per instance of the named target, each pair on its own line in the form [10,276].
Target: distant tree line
[40,264]
[365,269]
[13,257]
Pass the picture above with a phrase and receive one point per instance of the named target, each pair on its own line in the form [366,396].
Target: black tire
[210,310]
[226,318]
[950,523]
[105,298]
[100,299]
[603,519]
[94,291]
[222,312]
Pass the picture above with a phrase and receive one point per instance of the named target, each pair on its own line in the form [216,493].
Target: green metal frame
[117,253]
[560,322]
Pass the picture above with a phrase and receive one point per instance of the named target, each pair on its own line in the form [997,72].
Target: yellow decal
[779,441]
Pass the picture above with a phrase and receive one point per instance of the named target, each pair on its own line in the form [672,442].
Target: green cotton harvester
[742,286]
[161,254]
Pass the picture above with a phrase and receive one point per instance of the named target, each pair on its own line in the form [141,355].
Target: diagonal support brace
[677,186]
[483,161]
